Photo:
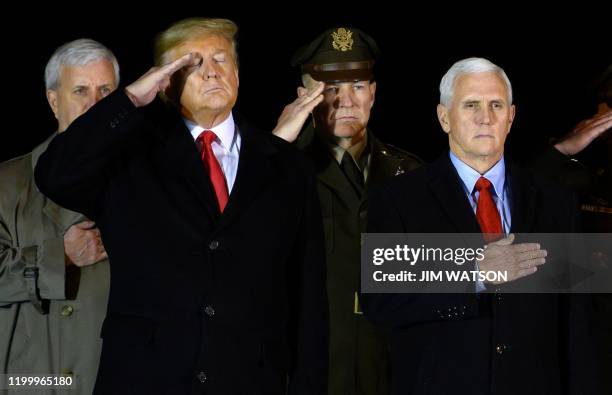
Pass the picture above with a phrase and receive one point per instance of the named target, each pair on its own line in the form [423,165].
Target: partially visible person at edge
[54,272]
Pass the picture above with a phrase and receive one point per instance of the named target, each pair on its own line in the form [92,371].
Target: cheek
[190,89]
[366,108]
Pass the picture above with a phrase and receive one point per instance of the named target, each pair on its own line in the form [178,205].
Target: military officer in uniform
[339,90]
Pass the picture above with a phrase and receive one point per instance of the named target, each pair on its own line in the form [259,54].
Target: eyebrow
[470,101]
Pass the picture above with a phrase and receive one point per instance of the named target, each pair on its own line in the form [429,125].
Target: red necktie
[486,212]
[217,178]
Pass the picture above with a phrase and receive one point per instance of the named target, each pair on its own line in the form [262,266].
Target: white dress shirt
[226,146]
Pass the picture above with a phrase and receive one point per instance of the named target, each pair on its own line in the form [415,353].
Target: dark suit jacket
[495,343]
[199,302]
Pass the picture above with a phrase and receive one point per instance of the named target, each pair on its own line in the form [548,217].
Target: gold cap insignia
[343,40]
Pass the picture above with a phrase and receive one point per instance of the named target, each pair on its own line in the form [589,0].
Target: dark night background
[551,61]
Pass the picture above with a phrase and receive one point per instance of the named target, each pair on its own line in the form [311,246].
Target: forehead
[347,82]
[207,44]
[99,71]
[480,84]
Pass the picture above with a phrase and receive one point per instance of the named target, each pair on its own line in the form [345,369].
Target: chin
[345,131]
[219,104]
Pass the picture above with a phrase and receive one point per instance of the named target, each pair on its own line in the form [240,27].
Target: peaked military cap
[339,54]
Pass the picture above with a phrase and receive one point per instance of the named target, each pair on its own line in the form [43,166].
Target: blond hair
[190,29]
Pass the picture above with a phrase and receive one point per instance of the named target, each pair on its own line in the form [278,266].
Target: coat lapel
[179,157]
[523,197]
[383,166]
[255,171]
[444,183]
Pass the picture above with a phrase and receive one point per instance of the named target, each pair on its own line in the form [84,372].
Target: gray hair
[469,66]
[77,53]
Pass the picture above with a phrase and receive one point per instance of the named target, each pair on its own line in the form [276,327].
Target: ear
[443,118]
[512,114]
[373,92]
[511,118]
[52,99]
[301,91]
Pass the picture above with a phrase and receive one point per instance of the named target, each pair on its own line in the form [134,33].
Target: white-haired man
[481,342]
[54,276]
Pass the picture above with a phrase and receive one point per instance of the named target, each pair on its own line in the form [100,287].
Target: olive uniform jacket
[50,317]
[359,361]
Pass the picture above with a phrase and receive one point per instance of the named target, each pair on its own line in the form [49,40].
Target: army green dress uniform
[50,315]
[359,355]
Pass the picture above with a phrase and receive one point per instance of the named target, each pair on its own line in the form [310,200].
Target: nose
[208,69]
[485,115]
[345,97]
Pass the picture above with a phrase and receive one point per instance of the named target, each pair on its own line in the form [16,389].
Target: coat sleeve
[30,273]
[75,169]
[310,317]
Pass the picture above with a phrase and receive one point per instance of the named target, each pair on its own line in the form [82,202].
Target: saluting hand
[157,79]
[295,114]
[584,133]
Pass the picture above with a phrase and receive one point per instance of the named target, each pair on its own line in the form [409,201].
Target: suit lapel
[444,183]
[382,166]
[255,172]
[179,157]
[523,196]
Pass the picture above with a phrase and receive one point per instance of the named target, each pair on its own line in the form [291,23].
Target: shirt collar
[356,151]
[496,175]
[224,131]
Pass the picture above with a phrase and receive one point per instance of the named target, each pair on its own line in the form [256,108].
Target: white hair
[469,66]
[77,53]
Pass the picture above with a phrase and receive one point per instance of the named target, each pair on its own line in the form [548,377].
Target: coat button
[209,310]
[67,311]
[214,245]
[500,348]
[363,214]
[202,377]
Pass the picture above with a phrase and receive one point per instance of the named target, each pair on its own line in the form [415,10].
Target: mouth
[346,118]
[212,90]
